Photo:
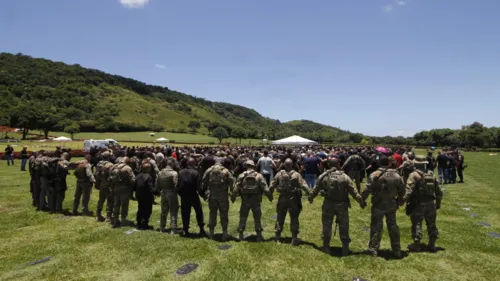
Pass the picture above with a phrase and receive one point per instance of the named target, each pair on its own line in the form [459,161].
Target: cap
[249,163]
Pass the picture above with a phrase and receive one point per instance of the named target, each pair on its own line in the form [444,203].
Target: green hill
[46,95]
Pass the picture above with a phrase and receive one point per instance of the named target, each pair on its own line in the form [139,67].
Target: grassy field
[82,249]
[129,139]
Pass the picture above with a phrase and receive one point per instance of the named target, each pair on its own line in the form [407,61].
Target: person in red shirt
[398,158]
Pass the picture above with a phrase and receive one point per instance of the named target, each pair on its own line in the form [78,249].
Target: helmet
[249,163]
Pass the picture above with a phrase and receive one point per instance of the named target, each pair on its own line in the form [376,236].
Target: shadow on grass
[424,249]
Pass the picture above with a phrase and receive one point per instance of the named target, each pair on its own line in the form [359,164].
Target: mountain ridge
[127,104]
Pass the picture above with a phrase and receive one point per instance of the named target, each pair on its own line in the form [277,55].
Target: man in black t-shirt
[442,164]
[9,155]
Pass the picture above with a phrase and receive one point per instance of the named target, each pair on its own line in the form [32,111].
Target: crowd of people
[220,174]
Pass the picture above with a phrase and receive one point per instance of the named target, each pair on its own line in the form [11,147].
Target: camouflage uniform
[387,190]
[84,181]
[289,185]
[60,185]
[31,169]
[105,189]
[426,189]
[216,183]
[250,185]
[354,167]
[45,184]
[407,168]
[335,186]
[167,184]
[122,180]
[39,194]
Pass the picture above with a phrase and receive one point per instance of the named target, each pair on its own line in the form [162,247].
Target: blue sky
[378,67]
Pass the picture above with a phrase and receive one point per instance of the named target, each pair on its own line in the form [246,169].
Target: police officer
[335,186]
[289,184]
[250,185]
[424,189]
[167,185]
[387,189]
[217,181]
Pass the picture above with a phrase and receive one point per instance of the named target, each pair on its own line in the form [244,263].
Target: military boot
[260,238]
[277,237]
[396,254]
[416,246]
[345,249]
[210,233]
[241,236]
[326,247]
[202,232]
[295,240]
[99,217]
[225,235]
[432,245]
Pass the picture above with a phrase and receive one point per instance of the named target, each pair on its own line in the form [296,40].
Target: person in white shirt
[265,166]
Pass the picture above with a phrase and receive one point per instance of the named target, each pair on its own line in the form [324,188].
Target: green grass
[129,139]
[83,249]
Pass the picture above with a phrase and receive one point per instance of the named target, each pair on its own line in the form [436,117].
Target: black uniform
[144,186]
[460,168]
[189,186]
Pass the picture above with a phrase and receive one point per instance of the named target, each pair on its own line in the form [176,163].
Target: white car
[87,144]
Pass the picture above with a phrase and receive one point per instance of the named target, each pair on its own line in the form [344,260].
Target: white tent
[294,140]
[162,140]
[62,139]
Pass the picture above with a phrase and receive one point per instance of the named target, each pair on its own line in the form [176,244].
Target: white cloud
[160,66]
[401,3]
[134,3]
[388,8]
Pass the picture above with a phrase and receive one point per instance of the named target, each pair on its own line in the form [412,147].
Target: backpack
[286,182]
[334,190]
[115,175]
[426,186]
[388,183]
[216,175]
[81,170]
[103,168]
[250,184]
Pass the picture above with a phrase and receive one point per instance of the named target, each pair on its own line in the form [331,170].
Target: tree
[72,129]
[25,117]
[47,121]
[194,125]
[239,133]
[220,133]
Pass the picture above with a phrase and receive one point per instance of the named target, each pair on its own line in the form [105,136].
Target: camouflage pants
[288,204]
[57,197]
[341,212]
[105,195]
[169,204]
[121,200]
[427,211]
[37,190]
[218,204]
[355,176]
[379,211]
[250,202]
[82,192]
[44,192]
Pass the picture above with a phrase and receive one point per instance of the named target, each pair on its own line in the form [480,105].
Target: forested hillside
[45,95]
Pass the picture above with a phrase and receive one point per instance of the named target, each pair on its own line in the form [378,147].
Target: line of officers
[117,181]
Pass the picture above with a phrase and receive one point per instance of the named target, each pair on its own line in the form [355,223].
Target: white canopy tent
[162,140]
[294,140]
[62,139]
